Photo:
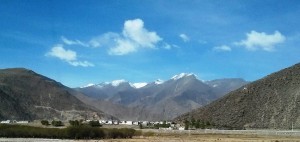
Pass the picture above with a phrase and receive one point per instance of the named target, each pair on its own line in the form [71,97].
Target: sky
[80,42]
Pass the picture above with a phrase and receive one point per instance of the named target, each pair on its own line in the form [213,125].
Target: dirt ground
[214,138]
[179,138]
[209,138]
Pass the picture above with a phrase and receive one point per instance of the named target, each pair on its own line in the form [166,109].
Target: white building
[109,122]
[22,122]
[116,122]
[6,122]
[170,128]
[102,121]
[127,122]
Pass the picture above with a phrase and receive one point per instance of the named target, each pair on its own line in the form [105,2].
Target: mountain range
[158,100]
[272,102]
[26,95]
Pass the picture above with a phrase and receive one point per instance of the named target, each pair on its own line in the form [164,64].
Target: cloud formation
[68,56]
[73,42]
[223,48]
[134,30]
[134,36]
[167,46]
[184,37]
[81,63]
[123,47]
[256,40]
[106,39]
[59,52]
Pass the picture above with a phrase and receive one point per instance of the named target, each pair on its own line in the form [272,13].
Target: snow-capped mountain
[139,85]
[182,75]
[116,83]
[167,99]
[88,85]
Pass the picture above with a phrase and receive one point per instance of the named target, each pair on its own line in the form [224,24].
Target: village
[163,125]
[13,121]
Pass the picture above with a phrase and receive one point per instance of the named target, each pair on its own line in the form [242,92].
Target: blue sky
[79,42]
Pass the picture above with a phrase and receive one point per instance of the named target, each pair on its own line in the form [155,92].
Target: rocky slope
[271,102]
[26,95]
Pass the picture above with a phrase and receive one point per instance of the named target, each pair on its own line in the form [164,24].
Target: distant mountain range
[272,102]
[26,95]
[158,100]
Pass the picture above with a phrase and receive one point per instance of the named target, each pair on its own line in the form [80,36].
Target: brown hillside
[271,102]
[25,95]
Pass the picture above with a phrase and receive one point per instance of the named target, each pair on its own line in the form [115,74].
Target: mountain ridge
[170,98]
[26,95]
[268,103]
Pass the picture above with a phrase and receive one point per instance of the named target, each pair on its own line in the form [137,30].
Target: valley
[273,99]
[150,71]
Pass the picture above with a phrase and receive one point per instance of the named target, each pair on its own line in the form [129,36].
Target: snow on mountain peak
[138,85]
[116,83]
[101,84]
[158,81]
[181,75]
[88,85]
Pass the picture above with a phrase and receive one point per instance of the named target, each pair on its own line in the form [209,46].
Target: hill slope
[271,102]
[26,95]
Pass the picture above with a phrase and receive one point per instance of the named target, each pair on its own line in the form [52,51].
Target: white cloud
[222,48]
[123,47]
[184,37]
[134,30]
[68,56]
[73,42]
[176,46]
[59,52]
[167,46]
[106,39]
[256,40]
[81,63]
[134,36]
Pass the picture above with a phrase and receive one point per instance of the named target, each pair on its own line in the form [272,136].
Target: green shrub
[57,123]
[75,123]
[45,122]
[95,124]
[72,132]
[84,132]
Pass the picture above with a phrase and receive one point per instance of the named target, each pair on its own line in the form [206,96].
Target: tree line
[71,132]
[197,124]
[71,122]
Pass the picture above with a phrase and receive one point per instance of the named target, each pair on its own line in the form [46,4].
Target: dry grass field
[179,138]
[210,138]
